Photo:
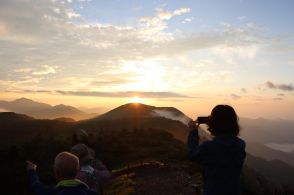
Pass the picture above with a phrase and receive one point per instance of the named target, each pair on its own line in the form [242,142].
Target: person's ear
[56,174]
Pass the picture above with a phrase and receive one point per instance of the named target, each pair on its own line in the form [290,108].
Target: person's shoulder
[241,141]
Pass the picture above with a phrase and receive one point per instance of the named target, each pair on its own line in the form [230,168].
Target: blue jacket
[222,159]
[65,187]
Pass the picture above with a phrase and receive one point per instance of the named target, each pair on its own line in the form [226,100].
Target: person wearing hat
[92,171]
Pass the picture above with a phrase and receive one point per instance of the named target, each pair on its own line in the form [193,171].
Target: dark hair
[223,121]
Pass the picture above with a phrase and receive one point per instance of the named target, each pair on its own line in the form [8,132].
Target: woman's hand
[193,125]
[31,166]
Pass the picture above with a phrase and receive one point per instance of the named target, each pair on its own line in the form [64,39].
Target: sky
[189,54]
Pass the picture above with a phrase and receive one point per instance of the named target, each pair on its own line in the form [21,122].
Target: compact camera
[202,120]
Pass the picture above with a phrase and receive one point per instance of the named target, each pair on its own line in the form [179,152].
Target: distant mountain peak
[139,110]
[66,108]
[28,102]
[135,105]
[23,99]
[61,106]
[42,110]
[24,105]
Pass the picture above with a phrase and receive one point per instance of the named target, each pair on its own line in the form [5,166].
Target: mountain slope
[138,110]
[269,154]
[131,110]
[267,131]
[275,170]
[139,116]
[60,110]
[18,127]
[11,117]
[24,105]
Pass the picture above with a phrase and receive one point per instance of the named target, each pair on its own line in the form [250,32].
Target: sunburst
[136,99]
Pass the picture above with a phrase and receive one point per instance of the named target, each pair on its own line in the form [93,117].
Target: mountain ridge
[139,110]
[42,110]
[269,154]
[129,117]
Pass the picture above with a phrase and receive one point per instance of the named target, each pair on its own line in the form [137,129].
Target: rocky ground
[156,179]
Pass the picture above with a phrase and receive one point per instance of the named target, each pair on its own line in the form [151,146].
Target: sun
[136,99]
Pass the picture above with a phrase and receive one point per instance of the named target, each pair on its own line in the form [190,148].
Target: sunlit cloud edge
[120,94]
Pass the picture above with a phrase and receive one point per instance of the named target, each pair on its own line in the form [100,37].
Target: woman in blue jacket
[222,157]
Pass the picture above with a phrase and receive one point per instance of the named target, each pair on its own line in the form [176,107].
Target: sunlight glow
[136,99]
[149,75]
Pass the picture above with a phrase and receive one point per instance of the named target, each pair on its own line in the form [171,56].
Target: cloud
[41,70]
[52,32]
[45,69]
[123,94]
[5,83]
[270,85]
[282,86]
[278,98]
[235,97]
[200,79]
[23,70]
[181,11]
[72,14]
[244,90]
[163,15]
[243,51]
[31,91]
[152,28]
[187,20]
[8,85]
[242,18]
[111,82]
[31,22]
[50,22]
